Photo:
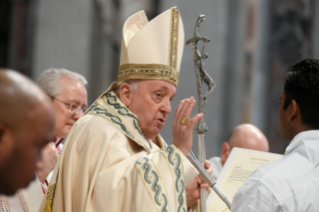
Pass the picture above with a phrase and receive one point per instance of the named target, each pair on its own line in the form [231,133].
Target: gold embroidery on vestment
[49,199]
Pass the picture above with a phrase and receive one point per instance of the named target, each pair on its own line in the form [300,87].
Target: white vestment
[25,200]
[216,166]
[290,184]
[108,165]
[29,199]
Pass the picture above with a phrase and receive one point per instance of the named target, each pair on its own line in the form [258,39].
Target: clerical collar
[57,141]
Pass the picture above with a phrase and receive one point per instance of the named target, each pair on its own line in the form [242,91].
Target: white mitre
[152,50]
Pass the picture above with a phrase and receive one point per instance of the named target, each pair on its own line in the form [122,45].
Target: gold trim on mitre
[173,50]
[151,64]
[148,71]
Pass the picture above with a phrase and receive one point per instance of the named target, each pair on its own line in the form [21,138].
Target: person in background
[69,97]
[292,182]
[26,126]
[244,136]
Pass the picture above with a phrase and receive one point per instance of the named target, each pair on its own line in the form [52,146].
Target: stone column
[260,67]
[63,36]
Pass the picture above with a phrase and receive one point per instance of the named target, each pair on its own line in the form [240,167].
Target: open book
[238,167]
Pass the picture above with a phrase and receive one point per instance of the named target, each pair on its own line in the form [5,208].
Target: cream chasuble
[108,165]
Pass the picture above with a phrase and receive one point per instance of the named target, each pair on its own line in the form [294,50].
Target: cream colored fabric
[151,43]
[132,25]
[108,165]
[152,50]
[25,200]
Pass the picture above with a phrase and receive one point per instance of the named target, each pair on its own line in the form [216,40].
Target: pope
[114,158]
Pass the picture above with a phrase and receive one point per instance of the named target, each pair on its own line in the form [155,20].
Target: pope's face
[72,92]
[151,102]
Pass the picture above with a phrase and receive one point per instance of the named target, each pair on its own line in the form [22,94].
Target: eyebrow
[166,88]
[77,102]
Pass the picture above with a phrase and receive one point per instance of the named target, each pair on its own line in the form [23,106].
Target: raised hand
[183,125]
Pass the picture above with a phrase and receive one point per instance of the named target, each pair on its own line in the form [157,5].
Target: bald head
[19,96]
[244,136]
[26,125]
[249,137]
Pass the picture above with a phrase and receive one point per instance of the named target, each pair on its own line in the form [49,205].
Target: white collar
[57,140]
[305,143]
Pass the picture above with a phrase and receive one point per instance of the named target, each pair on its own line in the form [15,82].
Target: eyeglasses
[72,108]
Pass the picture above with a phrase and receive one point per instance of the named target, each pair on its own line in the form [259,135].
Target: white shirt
[290,184]
[216,166]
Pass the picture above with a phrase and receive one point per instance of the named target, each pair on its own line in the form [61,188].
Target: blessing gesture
[183,125]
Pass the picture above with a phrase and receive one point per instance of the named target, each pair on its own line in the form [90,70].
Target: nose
[78,115]
[166,107]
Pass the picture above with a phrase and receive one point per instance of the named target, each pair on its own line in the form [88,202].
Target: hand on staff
[192,192]
[194,186]
[183,125]
[47,163]
[200,181]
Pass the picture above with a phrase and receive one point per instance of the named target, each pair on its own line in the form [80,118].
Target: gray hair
[49,80]
[132,82]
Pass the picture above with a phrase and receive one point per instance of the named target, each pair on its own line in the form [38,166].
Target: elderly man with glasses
[69,97]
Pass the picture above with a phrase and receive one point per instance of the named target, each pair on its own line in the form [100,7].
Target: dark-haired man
[290,183]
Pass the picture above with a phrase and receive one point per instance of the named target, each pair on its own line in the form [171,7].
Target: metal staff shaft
[202,77]
[202,158]
[208,179]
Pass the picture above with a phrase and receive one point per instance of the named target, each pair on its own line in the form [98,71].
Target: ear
[2,135]
[225,152]
[125,92]
[6,141]
[1,131]
[294,111]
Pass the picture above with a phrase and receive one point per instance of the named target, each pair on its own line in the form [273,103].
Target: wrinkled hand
[183,134]
[192,192]
[200,181]
[193,187]
[47,163]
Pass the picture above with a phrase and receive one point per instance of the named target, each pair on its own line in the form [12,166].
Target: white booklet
[237,169]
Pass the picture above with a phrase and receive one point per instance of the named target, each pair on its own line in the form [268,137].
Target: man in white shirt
[292,182]
[244,136]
